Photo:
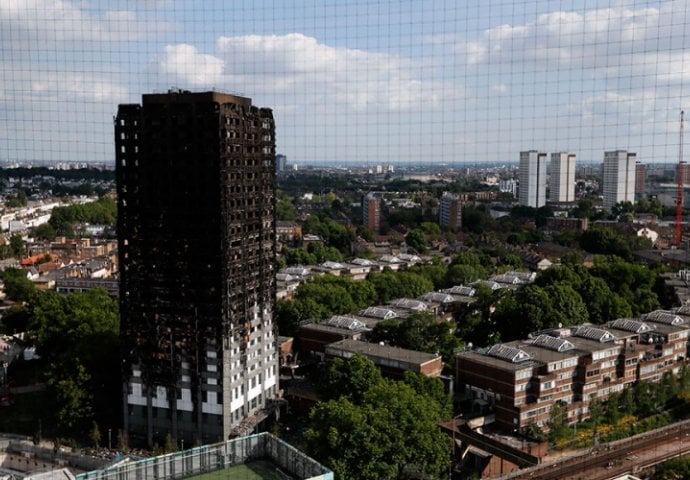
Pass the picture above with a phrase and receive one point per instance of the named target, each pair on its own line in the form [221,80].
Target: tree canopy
[101,212]
[77,336]
[17,286]
[420,331]
[380,429]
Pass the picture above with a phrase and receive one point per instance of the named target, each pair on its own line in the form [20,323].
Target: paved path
[38,387]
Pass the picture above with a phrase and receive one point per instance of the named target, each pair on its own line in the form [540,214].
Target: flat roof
[382,351]
[183,96]
[488,360]
[543,354]
[319,327]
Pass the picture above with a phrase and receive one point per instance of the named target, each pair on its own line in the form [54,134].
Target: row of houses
[290,278]
[520,381]
[316,338]
[69,265]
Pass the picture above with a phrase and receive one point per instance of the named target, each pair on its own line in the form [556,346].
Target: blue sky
[367,81]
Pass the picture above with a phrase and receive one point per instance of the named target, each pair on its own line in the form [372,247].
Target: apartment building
[562,179]
[522,380]
[532,175]
[450,211]
[620,173]
[371,212]
[196,227]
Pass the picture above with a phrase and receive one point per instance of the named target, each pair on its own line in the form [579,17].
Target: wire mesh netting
[355,80]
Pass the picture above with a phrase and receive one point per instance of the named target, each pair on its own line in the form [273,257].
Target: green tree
[572,259]
[533,304]
[343,436]
[566,306]
[78,335]
[17,246]
[285,210]
[558,421]
[17,200]
[584,209]
[365,233]
[558,274]
[45,232]
[434,272]
[291,313]
[95,434]
[476,219]
[14,320]
[596,412]
[169,446]
[391,285]
[322,253]
[467,258]
[72,401]
[433,388]
[602,304]
[431,228]
[122,441]
[417,240]
[420,331]
[622,208]
[674,469]
[351,378]
[17,286]
[393,434]
[463,274]
[299,256]
[101,212]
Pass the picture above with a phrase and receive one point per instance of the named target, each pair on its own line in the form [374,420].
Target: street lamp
[110,439]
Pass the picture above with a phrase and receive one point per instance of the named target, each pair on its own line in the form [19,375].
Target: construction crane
[679,198]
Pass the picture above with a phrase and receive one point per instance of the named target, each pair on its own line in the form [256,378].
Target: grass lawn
[258,470]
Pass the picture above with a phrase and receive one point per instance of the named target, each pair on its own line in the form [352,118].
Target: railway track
[616,458]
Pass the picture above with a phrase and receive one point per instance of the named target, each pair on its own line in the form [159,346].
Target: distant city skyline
[408,82]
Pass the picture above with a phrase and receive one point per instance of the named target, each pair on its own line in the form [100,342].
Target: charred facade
[196,202]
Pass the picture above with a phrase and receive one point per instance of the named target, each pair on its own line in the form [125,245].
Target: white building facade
[532,175]
[619,177]
[562,179]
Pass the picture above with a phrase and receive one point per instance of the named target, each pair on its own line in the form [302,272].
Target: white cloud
[191,67]
[298,66]
[93,88]
[36,87]
[499,88]
[609,40]
[50,21]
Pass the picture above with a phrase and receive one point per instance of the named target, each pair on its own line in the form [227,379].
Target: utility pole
[679,197]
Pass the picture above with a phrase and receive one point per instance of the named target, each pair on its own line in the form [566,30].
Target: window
[548,385]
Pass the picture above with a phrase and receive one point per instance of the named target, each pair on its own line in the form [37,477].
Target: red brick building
[392,361]
[522,380]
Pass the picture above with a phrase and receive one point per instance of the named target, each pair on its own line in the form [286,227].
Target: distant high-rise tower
[371,212]
[532,175]
[619,177]
[640,179]
[450,211]
[196,231]
[281,163]
[562,179]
